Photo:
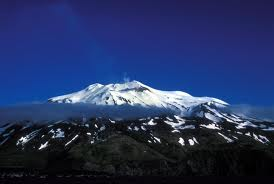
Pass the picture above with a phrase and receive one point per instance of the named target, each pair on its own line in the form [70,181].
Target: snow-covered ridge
[135,93]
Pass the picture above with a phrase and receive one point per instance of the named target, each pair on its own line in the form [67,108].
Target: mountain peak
[129,84]
[135,93]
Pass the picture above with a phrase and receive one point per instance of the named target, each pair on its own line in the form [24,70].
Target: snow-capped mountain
[199,138]
[133,93]
[137,94]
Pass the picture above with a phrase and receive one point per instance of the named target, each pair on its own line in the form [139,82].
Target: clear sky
[223,49]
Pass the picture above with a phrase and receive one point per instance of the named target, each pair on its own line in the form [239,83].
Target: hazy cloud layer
[46,112]
[263,113]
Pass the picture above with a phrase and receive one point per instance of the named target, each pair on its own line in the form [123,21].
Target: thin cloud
[126,78]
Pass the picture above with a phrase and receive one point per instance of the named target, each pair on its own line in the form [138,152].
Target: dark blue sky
[223,49]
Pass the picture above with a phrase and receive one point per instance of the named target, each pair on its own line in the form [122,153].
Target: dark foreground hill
[158,146]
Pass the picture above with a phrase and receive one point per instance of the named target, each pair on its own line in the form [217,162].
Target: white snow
[181,141]
[75,137]
[135,93]
[186,127]
[257,138]
[102,128]
[179,119]
[57,122]
[136,128]
[175,131]
[129,128]
[212,117]
[218,116]
[43,146]
[226,138]
[248,134]
[142,119]
[211,126]
[191,142]
[88,133]
[174,125]
[25,139]
[195,140]
[151,123]
[169,119]
[264,138]
[269,129]
[261,138]
[178,126]
[52,131]
[245,124]
[58,133]
[157,139]
[143,128]
[235,137]
[111,121]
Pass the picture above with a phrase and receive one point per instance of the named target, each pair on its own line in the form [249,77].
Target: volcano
[198,136]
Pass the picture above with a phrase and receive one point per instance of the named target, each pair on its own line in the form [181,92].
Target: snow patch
[25,139]
[75,137]
[195,140]
[181,141]
[102,128]
[269,129]
[212,117]
[248,134]
[175,131]
[43,145]
[157,139]
[143,128]
[136,128]
[211,126]
[245,124]
[151,123]
[191,142]
[226,138]
[113,122]
[58,133]
[260,138]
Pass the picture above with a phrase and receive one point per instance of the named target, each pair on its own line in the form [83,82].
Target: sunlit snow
[225,137]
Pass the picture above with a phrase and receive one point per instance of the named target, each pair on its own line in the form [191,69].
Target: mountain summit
[135,93]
